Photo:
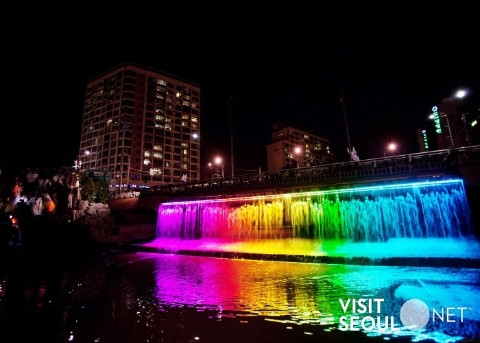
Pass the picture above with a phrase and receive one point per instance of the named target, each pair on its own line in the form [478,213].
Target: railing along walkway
[439,162]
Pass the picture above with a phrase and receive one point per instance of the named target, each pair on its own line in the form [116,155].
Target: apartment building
[293,147]
[142,125]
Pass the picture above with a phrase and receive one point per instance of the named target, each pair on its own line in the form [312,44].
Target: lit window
[157,155]
[185,116]
[178,95]
[146,154]
[185,123]
[147,161]
[194,119]
[168,127]
[157,147]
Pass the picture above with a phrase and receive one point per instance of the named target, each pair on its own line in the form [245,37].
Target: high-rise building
[292,147]
[453,123]
[142,125]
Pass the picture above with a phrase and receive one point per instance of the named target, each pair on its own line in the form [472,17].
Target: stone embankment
[117,225]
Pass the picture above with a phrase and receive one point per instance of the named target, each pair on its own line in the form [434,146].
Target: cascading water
[415,224]
[427,209]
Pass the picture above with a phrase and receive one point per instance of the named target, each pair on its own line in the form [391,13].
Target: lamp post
[298,152]
[218,161]
[124,126]
[230,102]
[449,131]
[349,146]
[435,116]
[448,107]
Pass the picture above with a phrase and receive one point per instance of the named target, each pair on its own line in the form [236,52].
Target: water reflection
[146,297]
[310,293]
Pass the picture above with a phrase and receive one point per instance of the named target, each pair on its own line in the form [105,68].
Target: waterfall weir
[371,214]
[394,216]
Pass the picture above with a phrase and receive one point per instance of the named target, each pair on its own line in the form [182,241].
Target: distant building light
[473,123]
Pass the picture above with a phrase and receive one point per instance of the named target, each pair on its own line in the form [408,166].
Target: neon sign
[436,119]
[425,141]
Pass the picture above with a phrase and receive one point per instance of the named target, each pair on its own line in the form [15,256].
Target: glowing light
[436,118]
[425,139]
[460,94]
[326,192]
[428,209]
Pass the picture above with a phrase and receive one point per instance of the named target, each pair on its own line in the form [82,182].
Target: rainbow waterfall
[376,213]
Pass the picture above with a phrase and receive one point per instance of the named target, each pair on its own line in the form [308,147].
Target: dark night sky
[286,65]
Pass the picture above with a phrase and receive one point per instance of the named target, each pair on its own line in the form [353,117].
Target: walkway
[462,161]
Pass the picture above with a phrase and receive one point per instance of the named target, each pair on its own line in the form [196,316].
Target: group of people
[30,202]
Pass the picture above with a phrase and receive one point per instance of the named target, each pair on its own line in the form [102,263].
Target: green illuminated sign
[425,141]
[436,119]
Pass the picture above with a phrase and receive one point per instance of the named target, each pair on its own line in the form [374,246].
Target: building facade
[142,125]
[292,147]
[453,123]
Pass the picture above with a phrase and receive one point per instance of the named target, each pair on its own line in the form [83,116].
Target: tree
[95,190]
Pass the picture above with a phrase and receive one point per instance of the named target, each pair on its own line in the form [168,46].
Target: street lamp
[460,94]
[298,152]
[218,161]
[391,147]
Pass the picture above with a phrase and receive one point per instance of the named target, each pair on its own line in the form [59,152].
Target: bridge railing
[442,162]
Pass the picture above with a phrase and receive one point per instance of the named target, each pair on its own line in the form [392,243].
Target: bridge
[462,162]
[142,207]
